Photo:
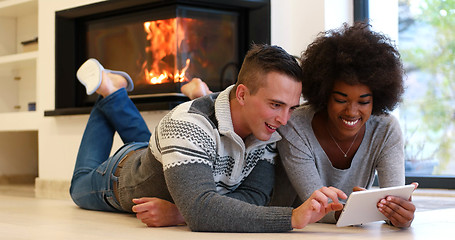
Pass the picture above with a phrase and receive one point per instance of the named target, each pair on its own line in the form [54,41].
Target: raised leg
[91,185]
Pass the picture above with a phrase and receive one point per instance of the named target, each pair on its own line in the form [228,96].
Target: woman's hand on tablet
[399,211]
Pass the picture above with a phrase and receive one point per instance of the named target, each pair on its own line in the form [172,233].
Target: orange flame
[163,50]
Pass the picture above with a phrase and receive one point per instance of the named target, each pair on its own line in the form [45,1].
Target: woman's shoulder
[383,119]
[384,123]
[303,113]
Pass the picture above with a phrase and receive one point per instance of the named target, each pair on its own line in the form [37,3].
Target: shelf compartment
[18,81]
[19,121]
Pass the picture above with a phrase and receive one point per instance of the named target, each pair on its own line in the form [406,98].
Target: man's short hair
[262,59]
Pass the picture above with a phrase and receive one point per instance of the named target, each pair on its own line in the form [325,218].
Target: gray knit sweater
[197,161]
[309,168]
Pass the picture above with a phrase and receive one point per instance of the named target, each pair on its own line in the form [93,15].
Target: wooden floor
[22,216]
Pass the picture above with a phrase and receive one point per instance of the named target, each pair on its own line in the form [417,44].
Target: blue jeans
[92,182]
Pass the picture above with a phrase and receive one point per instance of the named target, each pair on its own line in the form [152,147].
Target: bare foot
[110,83]
[195,88]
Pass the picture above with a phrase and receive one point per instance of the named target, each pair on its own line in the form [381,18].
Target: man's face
[271,106]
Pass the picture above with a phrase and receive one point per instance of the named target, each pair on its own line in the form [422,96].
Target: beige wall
[294,25]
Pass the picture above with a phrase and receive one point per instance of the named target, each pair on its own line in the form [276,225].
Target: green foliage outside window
[427,45]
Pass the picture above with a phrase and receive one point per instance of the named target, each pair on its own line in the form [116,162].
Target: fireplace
[161,44]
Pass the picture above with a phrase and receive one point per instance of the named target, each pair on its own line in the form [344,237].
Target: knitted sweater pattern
[201,131]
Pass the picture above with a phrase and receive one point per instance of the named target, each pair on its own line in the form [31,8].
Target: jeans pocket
[102,168]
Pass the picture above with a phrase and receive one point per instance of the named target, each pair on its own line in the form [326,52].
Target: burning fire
[163,36]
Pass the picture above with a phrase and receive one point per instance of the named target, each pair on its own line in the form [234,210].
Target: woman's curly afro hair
[355,55]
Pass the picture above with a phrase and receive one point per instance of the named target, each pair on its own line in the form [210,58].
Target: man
[213,157]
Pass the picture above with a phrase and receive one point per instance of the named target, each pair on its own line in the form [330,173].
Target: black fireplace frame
[254,24]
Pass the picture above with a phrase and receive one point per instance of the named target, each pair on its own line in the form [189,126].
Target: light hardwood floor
[23,216]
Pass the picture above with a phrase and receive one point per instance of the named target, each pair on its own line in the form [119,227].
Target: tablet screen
[361,207]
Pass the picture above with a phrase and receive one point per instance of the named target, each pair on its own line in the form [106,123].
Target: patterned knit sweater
[218,181]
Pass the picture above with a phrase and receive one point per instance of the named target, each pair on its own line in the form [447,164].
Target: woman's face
[348,108]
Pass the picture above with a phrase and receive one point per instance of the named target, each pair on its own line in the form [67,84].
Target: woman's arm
[391,172]
[390,163]
[300,167]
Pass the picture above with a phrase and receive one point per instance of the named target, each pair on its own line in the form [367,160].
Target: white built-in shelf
[18,60]
[19,57]
[19,121]
[17,8]
[19,23]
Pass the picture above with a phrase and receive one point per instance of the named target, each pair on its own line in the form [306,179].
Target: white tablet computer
[361,207]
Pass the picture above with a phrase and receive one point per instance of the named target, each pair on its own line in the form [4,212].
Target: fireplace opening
[160,44]
[164,48]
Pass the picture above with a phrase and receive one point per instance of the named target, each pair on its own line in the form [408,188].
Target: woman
[344,133]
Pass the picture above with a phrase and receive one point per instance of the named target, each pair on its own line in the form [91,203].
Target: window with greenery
[426,40]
